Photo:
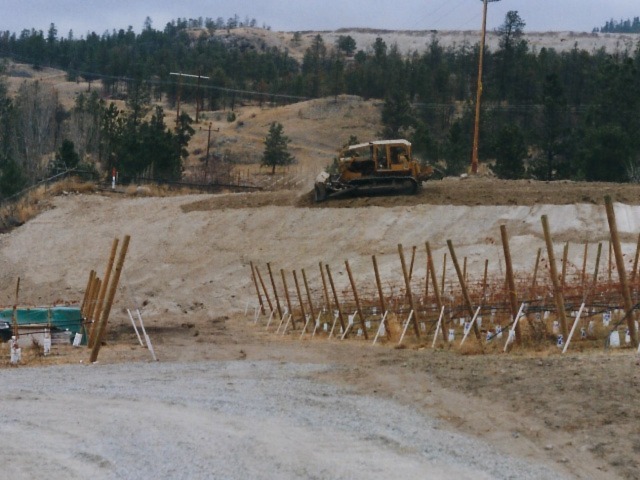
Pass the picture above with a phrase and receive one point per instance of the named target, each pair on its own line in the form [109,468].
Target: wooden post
[584,265]
[255,282]
[436,292]
[484,281]
[324,288]
[306,286]
[464,268]
[304,314]
[610,259]
[465,292]
[413,259]
[97,311]
[264,289]
[355,296]
[14,314]
[513,297]
[635,261]
[622,274]
[92,275]
[286,294]
[565,257]
[93,299]
[557,290]
[383,307]
[275,290]
[407,281]
[113,288]
[595,270]
[335,299]
[535,271]
[444,272]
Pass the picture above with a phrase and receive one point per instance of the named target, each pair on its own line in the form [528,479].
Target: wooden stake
[535,270]
[304,314]
[444,272]
[383,307]
[413,259]
[306,286]
[255,282]
[407,281]
[584,265]
[484,281]
[355,296]
[464,269]
[335,299]
[92,274]
[557,290]
[275,290]
[264,289]
[14,314]
[97,311]
[513,296]
[436,292]
[565,257]
[465,292]
[113,288]
[286,294]
[622,274]
[595,270]
[610,259]
[324,288]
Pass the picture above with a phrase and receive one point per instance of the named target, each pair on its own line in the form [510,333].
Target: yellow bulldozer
[381,166]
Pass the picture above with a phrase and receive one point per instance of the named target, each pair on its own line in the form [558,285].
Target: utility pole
[180,75]
[476,128]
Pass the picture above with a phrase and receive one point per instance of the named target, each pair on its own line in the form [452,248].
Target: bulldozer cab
[383,155]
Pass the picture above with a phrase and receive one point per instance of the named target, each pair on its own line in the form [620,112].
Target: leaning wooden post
[264,288]
[97,310]
[335,298]
[444,272]
[95,290]
[306,286]
[635,261]
[325,290]
[407,281]
[622,274]
[465,292]
[484,281]
[383,307]
[255,282]
[14,314]
[113,288]
[610,260]
[87,289]
[464,269]
[275,290]
[286,294]
[413,259]
[513,297]
[436,292]
[535,270]
[565,258]
[304,314]
[595,270]
[557,290]
[87,305]
[584,265]
[357,299]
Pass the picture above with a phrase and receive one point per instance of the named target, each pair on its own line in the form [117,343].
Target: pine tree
[275,148]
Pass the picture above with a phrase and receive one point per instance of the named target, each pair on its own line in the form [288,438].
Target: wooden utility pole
[95,316]
[113,288]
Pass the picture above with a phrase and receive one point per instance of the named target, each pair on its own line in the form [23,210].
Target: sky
[84,16]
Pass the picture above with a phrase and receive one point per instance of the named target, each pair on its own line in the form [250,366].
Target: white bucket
[77,340]
[452,334]
[614,339]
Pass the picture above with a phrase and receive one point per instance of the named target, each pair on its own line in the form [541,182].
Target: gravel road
[225,420]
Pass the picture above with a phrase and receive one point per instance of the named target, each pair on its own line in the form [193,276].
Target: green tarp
[63,318]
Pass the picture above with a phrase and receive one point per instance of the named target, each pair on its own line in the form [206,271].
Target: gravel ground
[228,420]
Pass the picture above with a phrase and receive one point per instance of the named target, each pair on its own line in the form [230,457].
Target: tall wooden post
[14,314]
[383,307]
[92,275]
[557,290]
[513,297]
[275,290]
[306,286]
[635,261]
[264,288]
[335,298]
[407,281]
[286,294]
[255,282]
[622,274]
[565,259]
[304,314]
[327,302]
[595,270]
[463,286]
[584,264]
[444,272]
[436,292]
[113,288]
[357,299]
[413,259]
[97,311]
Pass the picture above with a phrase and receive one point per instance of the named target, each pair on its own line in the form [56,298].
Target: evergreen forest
[546,114]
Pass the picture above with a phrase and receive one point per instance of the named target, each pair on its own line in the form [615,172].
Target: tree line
[546,114]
